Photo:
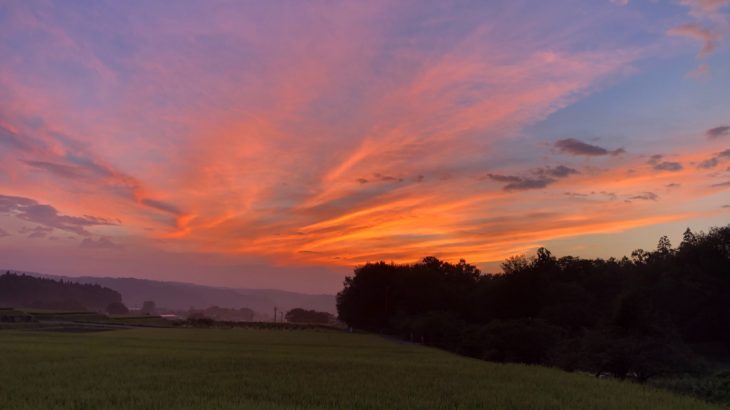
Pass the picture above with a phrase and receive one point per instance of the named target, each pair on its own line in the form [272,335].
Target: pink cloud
[705,7]
[703,70]
[695,31]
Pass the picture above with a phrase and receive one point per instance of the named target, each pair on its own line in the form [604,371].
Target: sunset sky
[279,144]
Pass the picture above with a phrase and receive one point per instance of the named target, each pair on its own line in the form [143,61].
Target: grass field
[93,317]
[236,368]
[23,318]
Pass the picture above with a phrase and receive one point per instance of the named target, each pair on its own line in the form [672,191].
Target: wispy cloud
[717,132]
[515,183]
[659,165]
[708,163]
[539,178]
[705,7]
[716,159]
[29,210]
[709,27]
[695,31]
[646,196]
[61,170]
[577,147]
[64,158]
[100,243]
[668,166]
[37,232]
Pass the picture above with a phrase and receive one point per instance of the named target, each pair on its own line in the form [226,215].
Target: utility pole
[281,317]
[274,314]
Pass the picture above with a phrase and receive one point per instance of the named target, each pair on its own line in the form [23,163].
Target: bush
[299,315]
[606,351]
[117,308]
[527,341]
[441,329]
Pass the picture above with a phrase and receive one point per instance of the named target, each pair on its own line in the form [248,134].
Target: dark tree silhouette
[298,315]
[222,314]
[117,308]
[41,293]
[641,317]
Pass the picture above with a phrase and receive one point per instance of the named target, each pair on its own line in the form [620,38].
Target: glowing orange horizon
[329,135]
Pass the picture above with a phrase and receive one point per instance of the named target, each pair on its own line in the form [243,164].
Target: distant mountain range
[182,296]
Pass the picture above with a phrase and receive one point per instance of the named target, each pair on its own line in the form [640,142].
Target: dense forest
[656,313]
[40,293]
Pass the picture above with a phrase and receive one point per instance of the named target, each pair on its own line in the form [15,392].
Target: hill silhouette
[183,296]
[44,293]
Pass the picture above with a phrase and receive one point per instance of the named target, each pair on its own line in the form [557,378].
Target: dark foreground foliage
[655,314]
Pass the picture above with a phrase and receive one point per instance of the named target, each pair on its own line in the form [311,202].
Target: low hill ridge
[183,295]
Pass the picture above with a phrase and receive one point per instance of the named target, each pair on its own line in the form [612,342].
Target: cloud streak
[576,147]
[695,31]
[670,166]
[718,132]
[540,178]
[100,243]
[646,196]
[29,210]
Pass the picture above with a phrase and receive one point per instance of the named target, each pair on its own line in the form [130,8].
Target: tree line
[652,314]
[299,315]
[217,313]
[41,293]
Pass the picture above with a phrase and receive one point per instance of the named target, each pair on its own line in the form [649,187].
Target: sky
[279,144]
